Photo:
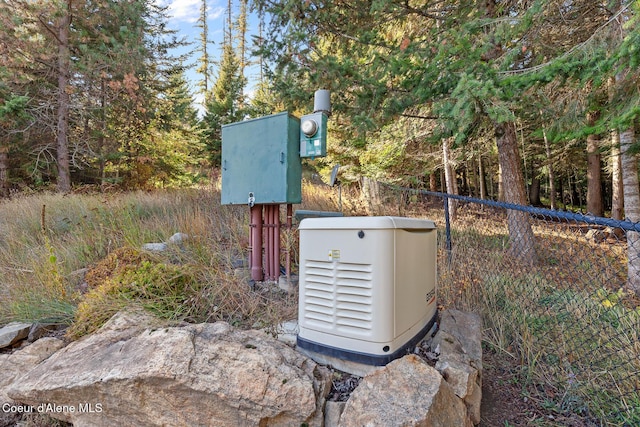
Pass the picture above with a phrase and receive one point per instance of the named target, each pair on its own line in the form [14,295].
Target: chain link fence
[558,304]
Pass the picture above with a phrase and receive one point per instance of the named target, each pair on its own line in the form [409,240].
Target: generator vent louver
[339,295]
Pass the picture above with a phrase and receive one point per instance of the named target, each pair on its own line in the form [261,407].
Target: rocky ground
[503,402]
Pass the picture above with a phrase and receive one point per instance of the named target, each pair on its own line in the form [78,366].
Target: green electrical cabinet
[261,161]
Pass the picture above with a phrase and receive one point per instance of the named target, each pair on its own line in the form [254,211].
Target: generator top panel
[367,222]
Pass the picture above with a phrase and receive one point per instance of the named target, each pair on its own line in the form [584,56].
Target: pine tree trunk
[552,178]
[521,239]
[466,185]
[242,37]
[560,192]
[4,172]
[631,190]
[500,184]
[62,138]
[534,191]
[476,180]
[102,150]
[617,195]
[595,205]
[433,182]
[483,181]
[371,196]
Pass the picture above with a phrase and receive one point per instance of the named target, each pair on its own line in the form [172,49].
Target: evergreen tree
[13,119]
[63,72]
[225,102]
[204,67]
[29,65]
[92,85]
[174,150]
[473,66]
[241,36]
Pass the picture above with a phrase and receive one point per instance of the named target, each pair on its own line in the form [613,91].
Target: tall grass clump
[47,241]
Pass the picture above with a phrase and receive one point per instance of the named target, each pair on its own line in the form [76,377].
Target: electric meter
[309,127]
[313,135]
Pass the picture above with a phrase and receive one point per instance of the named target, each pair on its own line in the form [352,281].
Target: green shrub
[128,276]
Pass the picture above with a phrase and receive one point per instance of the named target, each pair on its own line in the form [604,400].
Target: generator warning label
[334,254]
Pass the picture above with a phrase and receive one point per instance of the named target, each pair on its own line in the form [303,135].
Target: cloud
[216,13]
[184,10]
[189,10]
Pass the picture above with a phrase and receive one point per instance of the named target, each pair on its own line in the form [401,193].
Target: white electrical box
[367,286]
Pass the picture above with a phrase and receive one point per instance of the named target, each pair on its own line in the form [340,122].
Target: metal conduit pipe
[271,242]
[255,236]
[287,248]
[267,243]
[276,242]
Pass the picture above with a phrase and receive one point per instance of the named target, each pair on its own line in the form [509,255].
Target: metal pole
[255,236]
[447,228]
[272,242]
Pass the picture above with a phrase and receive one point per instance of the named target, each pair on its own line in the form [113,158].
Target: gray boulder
[406,392]
[13,365]
[191,375]
[13,332]
[459,344]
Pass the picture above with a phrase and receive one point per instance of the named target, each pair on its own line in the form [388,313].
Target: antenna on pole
[333,181]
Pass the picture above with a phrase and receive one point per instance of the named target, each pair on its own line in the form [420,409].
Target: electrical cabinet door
[261,161]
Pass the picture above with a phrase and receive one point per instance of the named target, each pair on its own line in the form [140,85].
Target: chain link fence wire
[559,304]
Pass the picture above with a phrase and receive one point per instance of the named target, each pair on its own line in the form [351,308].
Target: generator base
[357,363]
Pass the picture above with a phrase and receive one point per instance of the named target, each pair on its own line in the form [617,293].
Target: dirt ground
[506,403]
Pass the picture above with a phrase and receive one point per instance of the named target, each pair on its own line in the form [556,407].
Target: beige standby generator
[367,286]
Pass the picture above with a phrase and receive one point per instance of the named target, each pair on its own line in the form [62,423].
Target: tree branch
[417,116]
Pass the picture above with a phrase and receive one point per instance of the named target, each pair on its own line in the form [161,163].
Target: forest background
[527,101]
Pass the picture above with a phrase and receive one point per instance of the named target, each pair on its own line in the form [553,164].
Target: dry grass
[71,259]
[43,264]
[567,323]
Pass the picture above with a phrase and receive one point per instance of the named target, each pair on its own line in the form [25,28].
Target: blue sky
[184,16]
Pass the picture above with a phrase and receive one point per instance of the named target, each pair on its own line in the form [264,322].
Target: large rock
[459,344]
[193,375]
[22,361]
[406,392]
[12,366]
[460,337]
[13,332]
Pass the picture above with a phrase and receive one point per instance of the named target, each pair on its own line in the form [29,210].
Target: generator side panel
[260,160]
[415,277]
